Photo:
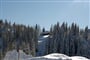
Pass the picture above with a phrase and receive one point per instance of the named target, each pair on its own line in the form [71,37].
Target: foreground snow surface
[13,55]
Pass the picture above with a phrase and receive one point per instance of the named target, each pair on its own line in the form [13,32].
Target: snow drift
[13,55]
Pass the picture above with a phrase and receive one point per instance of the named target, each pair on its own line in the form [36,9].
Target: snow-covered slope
[13,55]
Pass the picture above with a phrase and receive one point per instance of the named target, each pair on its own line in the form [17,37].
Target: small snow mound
[56,56]
[78,58]
[13,55]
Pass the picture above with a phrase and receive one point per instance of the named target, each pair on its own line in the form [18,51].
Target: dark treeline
[15,36]
[71,40]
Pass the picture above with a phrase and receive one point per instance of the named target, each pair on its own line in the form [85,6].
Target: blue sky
[46,12]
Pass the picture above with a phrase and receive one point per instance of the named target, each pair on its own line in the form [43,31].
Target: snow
[78,58]
[45,36]
[39,41]
[56,56]
[13,55]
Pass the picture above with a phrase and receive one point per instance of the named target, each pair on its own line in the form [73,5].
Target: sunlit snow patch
[45,36]
[56,56]
[78,58]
